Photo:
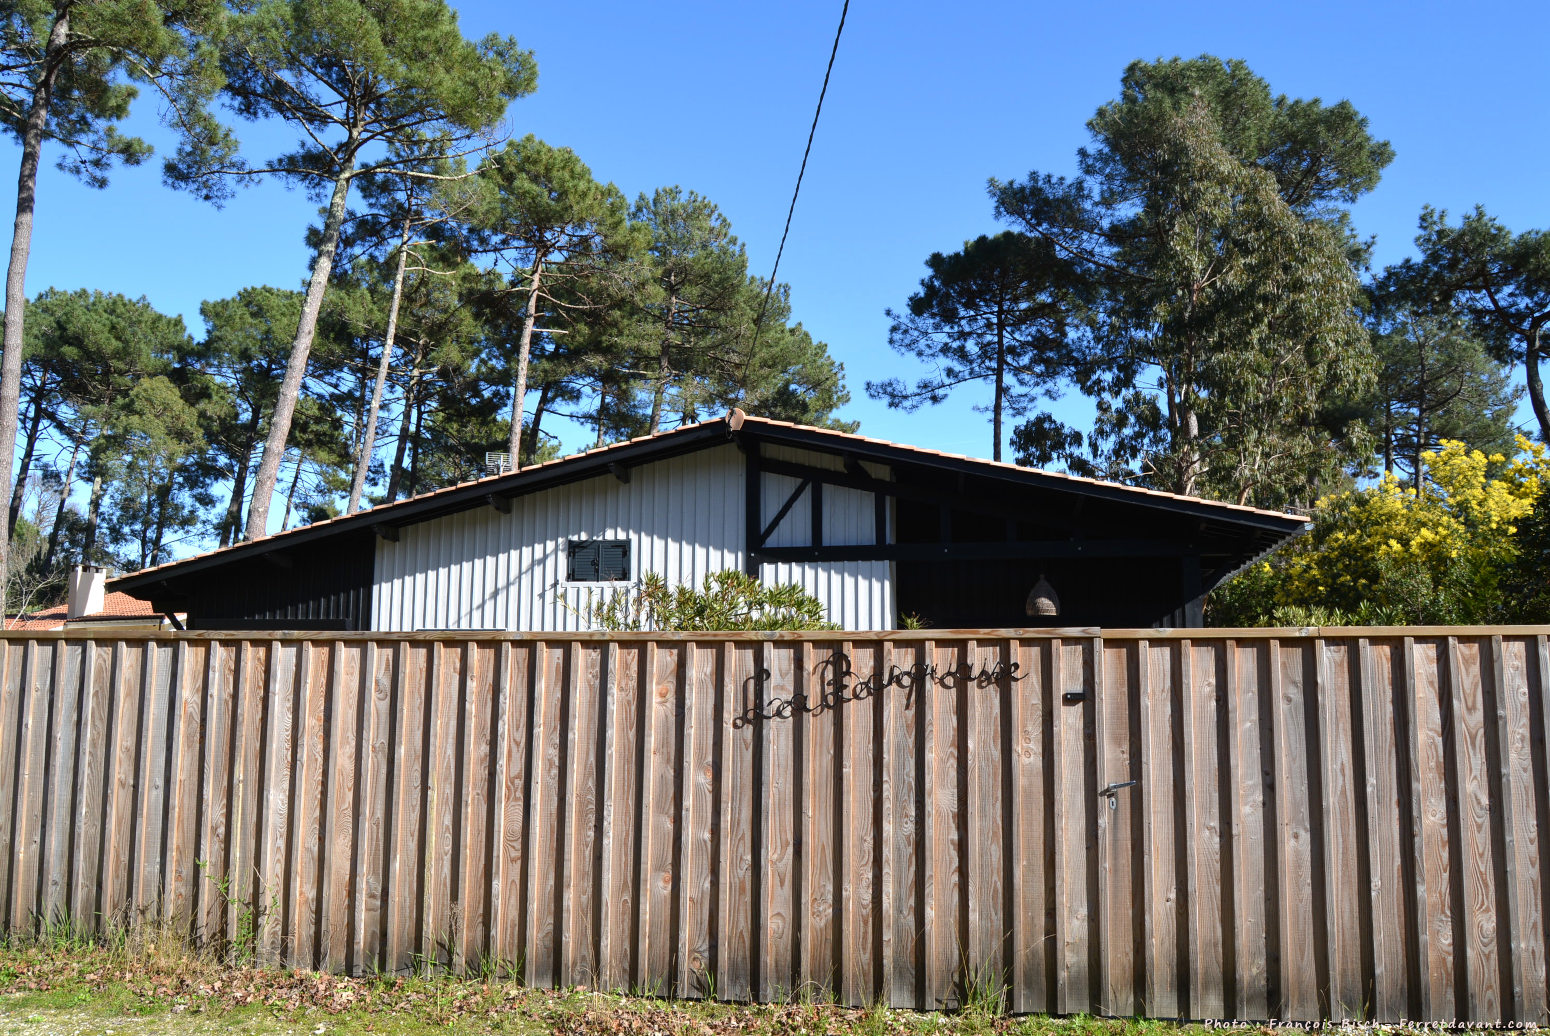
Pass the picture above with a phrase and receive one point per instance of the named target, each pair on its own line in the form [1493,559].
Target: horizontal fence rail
[1344,824]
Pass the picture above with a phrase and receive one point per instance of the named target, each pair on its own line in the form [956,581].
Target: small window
[597,561]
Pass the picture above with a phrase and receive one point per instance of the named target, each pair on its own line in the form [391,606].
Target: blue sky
[927,101]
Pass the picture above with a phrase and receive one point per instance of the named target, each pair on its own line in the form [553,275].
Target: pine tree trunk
[664,368]
[524,351]
[93,511]
[290,497]
[59,512]
[16,273]
[296,369]
[995,420]
[1536,387]
[396,475]
[369,441]
[544,392]
[232,523]
[414,448]
[34,429]
[163,500]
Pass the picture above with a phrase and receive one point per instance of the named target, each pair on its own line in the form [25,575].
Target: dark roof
[1269,527]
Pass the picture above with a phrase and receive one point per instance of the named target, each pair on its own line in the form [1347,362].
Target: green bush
[727,600]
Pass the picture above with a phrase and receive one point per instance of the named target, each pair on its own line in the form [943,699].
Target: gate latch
[1112,791]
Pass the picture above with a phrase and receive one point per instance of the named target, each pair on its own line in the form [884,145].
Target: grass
[58,983]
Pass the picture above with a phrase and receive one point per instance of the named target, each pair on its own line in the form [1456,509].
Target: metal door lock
[1112,791]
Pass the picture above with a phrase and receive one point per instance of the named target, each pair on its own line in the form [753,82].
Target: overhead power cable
[758,323]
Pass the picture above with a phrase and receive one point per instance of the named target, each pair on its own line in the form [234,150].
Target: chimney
[86,591]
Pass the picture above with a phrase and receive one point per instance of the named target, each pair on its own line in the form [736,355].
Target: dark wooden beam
[753,503]
[1133,548]
[816,512]
[904,491]
[780,515]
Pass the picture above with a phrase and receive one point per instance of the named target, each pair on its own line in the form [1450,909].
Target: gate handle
[1114,789]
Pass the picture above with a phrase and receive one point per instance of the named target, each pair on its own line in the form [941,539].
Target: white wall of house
[683,518]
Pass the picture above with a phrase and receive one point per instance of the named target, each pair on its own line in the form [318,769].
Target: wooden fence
[1207,824]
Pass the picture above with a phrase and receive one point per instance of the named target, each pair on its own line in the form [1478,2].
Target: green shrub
[727,600]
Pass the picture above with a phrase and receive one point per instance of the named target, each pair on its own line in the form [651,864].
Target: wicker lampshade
[1042,600]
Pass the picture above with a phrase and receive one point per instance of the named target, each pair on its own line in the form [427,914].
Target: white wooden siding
[683,518]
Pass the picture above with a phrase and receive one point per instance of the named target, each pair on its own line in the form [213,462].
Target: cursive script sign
[839,684]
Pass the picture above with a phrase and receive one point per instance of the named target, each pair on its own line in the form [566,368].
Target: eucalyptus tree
[552,227]
[1208,225]
[69,71]
[1498,279]
[995,311]
[369,87]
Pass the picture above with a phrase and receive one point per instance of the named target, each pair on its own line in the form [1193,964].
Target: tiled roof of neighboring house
[115,605]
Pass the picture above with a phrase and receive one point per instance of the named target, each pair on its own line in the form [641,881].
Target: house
[89,608]
[876,530]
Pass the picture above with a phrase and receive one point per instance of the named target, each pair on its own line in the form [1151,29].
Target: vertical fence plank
[1074,835]
[1484,999]
[985,821]
[1423,665]
[1033,701]
[1525,878]
[1245,729]
[337,897]
[543,844]
[698,820]
[512,818]
[1386,801]
[1156,796]
[65,737]
[1292,680]
[309,781]
[1347,902]
[476,802]
[1199,698]
[408,794]
[374,752]
[901,845]
[12,709]
[622,664]
[859,894]
[244,901]
[31,779]
[1123,667]
[658,820]
[818,961]
[441,804]
[581,820]
[776,955]
[739,799]
[944,888]
[195,665]
[211,736]
[97,700]
[114,900]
